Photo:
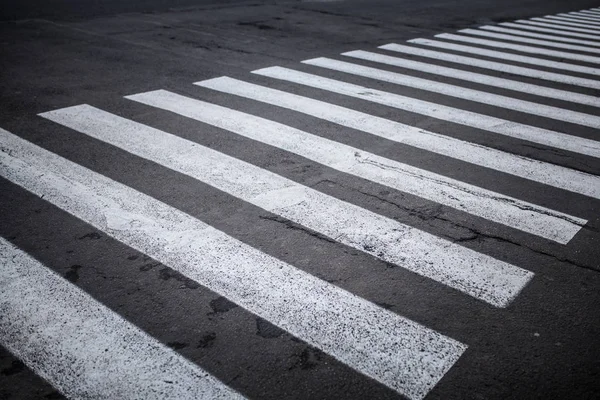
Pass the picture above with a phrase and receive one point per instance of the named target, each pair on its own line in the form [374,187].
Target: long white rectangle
[492,65]
[393,350]
[567,26]
[541,36]
[469,76]
[550,174]
[562,21]
[579,20]
[513,57]
[582,16]
[509,211]
[80,346]
[473,119]
[550,30]
[547,43]
[521,48]
[382,237]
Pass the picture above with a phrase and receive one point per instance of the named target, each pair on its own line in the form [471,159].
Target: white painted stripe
[590,13]
[564,18]
[508,56]
[520,48]
[490,65]
[585,17]
[200,164]
[483,79]
[550,174]
[434,258]
[541,36]
[393,350]
[520,39]
[548,30]
[567,26]
[472,119]
[84,349]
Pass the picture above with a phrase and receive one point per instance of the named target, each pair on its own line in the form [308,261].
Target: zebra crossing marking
[489,65]
[540,62]
[568,21]
[567,26]
[422,253]
[514,38]
[583,16]
[80,346]
[520,48]
[393,350]
[548,30]
[549,174]
[489,80]
[477,120]
[541,36]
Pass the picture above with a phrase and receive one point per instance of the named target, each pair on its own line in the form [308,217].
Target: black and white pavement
[300,200]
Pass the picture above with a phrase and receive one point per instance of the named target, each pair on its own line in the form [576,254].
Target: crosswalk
[73,330]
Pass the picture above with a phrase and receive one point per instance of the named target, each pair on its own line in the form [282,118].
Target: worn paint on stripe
[490,65]
[514,38]
[81,347]
[541,36]
[520,48]
[393,350]
[469,76]
[567,26]
[511,57]
[550,174]
[468,198]
[310,208]
[473,119]
[549,30]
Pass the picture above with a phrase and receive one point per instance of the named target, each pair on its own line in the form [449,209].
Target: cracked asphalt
[61,53]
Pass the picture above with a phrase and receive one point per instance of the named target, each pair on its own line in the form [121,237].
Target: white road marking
[483,79]
[389,240]
[548,30]
[585,17]
[520,39]
[509,211]
[476,120]
[578,19]
[550,23]
[589,13]
[520,48]
[541,36]
[490,65]
[550,174]
[393,350]
[568,20]
[512,57]
[81,347]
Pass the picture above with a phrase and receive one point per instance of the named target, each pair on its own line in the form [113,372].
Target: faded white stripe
[476,120]
[483,79]
[512,57]
[393,350]
[491,65]
[483,203]
[520,48]
[541,36]
[550,174]
[81,347]
[554,31]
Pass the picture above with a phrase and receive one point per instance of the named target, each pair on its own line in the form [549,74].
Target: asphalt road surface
[299,199]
